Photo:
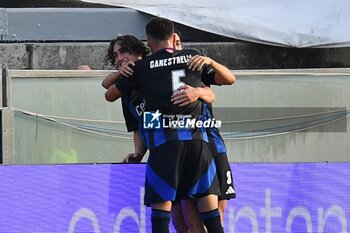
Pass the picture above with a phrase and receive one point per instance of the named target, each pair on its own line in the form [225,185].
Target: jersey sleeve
[208,76]
[126,84]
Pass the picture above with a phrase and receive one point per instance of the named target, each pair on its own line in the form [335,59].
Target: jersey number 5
[175,78]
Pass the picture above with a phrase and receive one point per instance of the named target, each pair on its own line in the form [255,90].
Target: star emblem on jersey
[151,120]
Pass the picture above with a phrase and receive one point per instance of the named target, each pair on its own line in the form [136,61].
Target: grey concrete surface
[242,55]
[67,55]
[235,55]
[15,55]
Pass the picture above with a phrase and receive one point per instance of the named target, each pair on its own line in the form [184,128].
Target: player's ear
[149,43]
[173,40]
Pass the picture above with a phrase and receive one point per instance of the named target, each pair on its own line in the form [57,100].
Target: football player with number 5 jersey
[180,161]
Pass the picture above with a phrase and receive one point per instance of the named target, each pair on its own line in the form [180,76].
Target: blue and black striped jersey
[157,77]
[216,141]
[133,106]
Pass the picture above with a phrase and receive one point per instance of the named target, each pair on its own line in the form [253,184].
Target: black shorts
[224,174]
[180,169]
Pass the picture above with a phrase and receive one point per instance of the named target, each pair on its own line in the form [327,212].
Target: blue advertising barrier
[271,197]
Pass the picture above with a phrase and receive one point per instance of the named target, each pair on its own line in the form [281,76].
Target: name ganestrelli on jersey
[169,61]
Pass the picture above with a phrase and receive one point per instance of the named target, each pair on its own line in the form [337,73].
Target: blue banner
[289,197]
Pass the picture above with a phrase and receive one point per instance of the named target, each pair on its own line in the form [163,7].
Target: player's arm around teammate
[223,76]
[123,71]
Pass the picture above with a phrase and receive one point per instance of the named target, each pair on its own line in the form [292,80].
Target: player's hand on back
[125,69]
[197,62]
[184,95]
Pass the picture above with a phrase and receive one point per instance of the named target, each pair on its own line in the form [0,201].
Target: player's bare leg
[178,220]
[192,216]
[222,207]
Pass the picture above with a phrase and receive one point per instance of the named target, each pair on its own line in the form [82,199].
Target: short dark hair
[178,33]
[128,43]
[160,29]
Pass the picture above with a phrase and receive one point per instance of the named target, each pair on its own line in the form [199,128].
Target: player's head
[177,40]
[160,33]
[126,48]
[84,67]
